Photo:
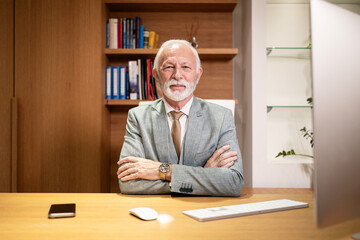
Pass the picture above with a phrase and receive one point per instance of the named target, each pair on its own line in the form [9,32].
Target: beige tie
[176,131]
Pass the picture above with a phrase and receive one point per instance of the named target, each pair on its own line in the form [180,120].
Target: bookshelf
[204,53]
[171,19]
[171,6]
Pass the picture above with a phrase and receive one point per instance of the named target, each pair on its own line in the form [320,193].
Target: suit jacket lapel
[193,132]
[163,142]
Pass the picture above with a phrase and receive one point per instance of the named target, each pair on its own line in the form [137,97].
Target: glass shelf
[287,1]
[270,107]
[295,52]
[289,106]
[284,48]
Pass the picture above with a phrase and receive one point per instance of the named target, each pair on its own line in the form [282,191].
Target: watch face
[164,168]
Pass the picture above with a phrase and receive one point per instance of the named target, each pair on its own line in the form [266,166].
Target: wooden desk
[105,216]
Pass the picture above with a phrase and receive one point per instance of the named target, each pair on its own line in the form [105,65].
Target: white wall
[267,173]
[288,81]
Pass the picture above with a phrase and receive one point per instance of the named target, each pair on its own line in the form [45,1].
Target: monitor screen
[335,33]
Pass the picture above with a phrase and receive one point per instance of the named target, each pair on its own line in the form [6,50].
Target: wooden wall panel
[6,90]
[62,120]
[118,128]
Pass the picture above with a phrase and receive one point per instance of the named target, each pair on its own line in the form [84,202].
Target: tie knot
[176,115]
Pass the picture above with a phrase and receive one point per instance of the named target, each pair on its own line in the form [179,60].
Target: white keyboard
[208,214]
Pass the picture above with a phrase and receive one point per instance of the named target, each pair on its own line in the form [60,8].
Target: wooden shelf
[204,53]
[171,6]
[115,102]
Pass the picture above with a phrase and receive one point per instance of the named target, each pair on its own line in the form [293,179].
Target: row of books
[134,81]
[129,33]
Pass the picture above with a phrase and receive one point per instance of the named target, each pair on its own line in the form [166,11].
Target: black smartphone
[62,210]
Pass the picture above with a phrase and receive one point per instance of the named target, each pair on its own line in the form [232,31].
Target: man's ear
[198,76]
[157,85]
[155,75]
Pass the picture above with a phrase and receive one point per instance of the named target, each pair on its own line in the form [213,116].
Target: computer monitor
[335,33]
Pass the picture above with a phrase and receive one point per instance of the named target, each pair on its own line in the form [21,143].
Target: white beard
[177,95]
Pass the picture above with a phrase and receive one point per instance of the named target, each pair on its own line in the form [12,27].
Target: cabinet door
[61,134]
[6,91]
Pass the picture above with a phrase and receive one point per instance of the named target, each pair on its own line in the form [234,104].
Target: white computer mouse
[144,213]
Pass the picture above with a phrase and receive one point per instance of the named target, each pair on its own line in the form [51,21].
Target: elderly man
[180,143]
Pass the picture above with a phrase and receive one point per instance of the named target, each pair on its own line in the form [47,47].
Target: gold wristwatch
[164,169]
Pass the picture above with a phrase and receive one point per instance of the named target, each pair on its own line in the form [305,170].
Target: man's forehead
[175,46]
[177,50]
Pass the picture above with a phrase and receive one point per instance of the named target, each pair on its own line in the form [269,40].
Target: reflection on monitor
[336,98]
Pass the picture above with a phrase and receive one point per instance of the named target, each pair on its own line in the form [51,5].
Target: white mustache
[177,82]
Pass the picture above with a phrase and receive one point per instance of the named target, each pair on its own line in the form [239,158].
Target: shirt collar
[185,109]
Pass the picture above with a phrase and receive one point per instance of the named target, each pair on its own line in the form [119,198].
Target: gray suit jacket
[210,127]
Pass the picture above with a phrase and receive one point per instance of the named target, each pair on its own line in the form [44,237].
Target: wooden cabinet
[62,123]
[171,19]
[6,92]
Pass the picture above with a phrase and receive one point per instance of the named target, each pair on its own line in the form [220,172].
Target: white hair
[176,41]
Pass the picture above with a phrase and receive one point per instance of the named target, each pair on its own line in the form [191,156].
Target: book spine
[137,34]
[133,80]
[128,33]
[124,33]
[127,83]
[123,87]
[146,38]
[156,42]
[140,80]
[120,33]
[150,91]
[133,35]
[115,82]
[141,37]
[144,77]
[156,87]
[108,83]
[113,27]
[107,35]
[151,39]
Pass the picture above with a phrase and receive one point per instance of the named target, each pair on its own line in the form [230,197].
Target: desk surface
[106,216]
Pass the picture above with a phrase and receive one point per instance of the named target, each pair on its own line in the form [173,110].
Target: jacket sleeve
[133,146]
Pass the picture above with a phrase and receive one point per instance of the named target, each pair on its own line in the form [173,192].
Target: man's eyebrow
[168,62]
[185,62]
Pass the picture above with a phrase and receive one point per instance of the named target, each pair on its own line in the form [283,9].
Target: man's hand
[221,159]
[138,168]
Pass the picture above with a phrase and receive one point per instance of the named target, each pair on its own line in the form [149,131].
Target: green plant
[308,134]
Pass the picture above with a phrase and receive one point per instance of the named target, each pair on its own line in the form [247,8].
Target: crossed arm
[141,168]
[220,175]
